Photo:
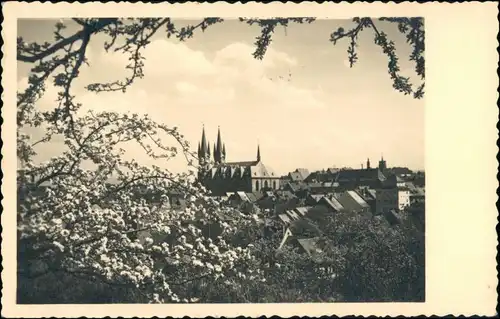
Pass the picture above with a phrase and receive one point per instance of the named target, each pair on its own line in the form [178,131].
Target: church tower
[258,153]
[223,153]
[218,148]
[368,164]
[203,148]
[382,165]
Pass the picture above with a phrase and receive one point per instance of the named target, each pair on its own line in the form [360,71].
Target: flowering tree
[81,224]
[75,222]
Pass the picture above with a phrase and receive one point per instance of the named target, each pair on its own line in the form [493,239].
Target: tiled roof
[373,193]
[358,199]
[260,170]
[314,247]
[258,195]
[349,203]
[302,210]
[242,163]
[243,196]
[333,203]
[251,197]
[284,218]
[317,197]
[295,176]
[293,215]
[303,172]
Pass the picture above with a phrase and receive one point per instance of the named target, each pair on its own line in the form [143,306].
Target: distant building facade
[221,177]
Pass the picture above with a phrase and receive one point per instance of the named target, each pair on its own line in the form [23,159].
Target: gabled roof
[303,172]
[243,196]
[358,199]
[261,170]
[332,202]
[258,195]
[317,197]
[296,177]
[293,215]
[349,203]
[373,193]
[314,247]
[284,218]
[251,197]
[302,210]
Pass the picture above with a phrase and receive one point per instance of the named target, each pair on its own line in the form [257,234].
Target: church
[221,177]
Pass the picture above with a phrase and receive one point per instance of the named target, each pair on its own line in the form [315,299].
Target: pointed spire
[216,156]
[218,147]
[203,149]
[199,150]
[224,150]
[208,151]
[258,153]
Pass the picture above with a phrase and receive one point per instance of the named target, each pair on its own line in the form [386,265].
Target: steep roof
[261,170]
[373,193]
[242,163]
[251,197]
[314,247]
[293,215]
[317,197]
[358,199]
[243,196]
[302,210]
[296,177]
[351,202]
[285,218]
[332,202]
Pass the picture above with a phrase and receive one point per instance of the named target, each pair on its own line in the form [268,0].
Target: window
[256,185]
[266,184]
[274,185]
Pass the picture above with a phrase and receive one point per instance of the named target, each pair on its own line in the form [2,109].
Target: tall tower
[223,153]
[202,152]
[368,164]
[258,153]
[218,148]
[382,165]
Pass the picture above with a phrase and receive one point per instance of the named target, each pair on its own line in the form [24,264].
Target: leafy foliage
[412,28]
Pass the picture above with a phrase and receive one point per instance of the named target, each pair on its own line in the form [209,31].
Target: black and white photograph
[224,160]
[221,160]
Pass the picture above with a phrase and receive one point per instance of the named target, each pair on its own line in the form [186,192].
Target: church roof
[243,163]
[260,170]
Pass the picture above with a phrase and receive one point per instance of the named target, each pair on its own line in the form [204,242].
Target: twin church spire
[219,149]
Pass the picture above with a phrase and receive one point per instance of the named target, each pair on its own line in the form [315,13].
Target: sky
[302,103]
